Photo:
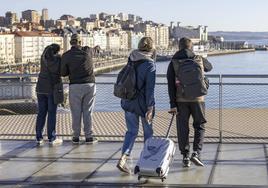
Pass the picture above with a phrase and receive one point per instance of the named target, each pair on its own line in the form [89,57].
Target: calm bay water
[234,96]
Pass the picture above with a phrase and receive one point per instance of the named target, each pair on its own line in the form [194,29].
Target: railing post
[22,87]
[220,108]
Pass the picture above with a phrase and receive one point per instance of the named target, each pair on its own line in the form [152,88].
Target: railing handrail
[157,75]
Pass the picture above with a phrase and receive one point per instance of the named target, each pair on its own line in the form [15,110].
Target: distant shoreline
[122,63]
[229,52]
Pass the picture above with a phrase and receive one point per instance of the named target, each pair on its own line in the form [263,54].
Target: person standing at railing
[78,65]
[48,77]
[187,86]
[142,105]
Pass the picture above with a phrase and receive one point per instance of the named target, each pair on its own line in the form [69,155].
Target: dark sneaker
[75,140]
[122,165]
[186,161]
[91,140]
[196,159]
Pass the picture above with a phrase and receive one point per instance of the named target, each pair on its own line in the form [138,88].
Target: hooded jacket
[182,54]
[49,73]
[145,84]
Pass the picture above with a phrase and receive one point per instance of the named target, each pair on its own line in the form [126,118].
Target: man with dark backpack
[187,87]
[135,86]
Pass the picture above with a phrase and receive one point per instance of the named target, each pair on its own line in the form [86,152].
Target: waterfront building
[199,34]
[234,45]
[29,46]
[100,38]
[158,32]
[113,40]
[7,49]
[31,16]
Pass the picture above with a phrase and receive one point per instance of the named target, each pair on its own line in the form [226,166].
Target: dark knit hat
[146,44]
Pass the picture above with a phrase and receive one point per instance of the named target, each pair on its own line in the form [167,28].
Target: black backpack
[126,86]
[190,79]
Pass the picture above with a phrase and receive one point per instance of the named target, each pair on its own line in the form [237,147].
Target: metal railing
[236,107]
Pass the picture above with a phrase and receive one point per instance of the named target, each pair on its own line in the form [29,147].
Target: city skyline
[218,15]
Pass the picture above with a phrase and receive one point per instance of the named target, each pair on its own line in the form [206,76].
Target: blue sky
[226,15]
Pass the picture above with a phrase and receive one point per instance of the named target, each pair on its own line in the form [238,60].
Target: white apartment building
[162,37]
[113,40]
[7,49]
[150,31]
[100,38]
[30,45]
[158,32]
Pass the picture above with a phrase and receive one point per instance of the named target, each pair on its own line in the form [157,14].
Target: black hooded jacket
[182,54]
[49,73]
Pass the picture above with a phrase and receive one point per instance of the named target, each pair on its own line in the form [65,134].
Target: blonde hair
[146,44]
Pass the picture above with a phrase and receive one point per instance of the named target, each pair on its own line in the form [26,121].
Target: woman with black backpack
[141,106]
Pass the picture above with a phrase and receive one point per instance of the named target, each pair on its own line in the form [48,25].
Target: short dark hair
[185,43]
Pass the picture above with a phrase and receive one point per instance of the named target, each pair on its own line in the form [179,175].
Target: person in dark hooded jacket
[49,76]
[187,106]
[142,107]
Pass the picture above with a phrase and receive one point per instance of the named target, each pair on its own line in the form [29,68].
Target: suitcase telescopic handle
[170,124]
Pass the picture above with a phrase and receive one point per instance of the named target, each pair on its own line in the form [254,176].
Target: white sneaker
[40,142]
[56,142]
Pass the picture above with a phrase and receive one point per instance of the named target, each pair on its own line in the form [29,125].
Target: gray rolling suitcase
[156,157]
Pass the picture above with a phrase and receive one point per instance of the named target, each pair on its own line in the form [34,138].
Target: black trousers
[197,111]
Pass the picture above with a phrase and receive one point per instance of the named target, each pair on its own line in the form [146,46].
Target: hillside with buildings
[22,40]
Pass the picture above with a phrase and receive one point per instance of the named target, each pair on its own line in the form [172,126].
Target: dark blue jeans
[46,107]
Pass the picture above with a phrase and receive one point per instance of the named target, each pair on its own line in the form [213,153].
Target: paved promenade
[22,164]
[240,161]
